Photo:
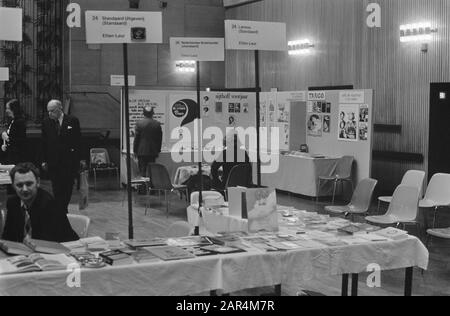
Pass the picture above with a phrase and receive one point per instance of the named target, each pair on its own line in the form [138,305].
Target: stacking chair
[402,210]
[342,174]
[361,199]
[412,178]
[80,224]
[100,162]
[240,176]
[179,229]
[437,194]
[160,181]
[438,232]
[137,181]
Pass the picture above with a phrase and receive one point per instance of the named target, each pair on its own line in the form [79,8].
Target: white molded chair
[179,229]
[403,208]
[99,161]
[80,224]
[437,194]
[361,199]
[412,178]
[343,173]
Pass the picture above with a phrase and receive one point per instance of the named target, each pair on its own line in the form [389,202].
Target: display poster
[117,27]
[347,124]
[119,81]
[284,103]
[253,35]
[262,210]
[138,101]
[183,112]
[11,24]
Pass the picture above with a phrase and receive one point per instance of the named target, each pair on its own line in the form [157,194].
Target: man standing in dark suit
[33,212]
[148,140]
[61,137]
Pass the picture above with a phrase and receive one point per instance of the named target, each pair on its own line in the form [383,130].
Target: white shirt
[60,120]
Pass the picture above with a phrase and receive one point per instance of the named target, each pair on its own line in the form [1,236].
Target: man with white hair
[61,138]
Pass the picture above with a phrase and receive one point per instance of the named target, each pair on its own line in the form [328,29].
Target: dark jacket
[148,139]
[62,152]
[47,221]
[15,152]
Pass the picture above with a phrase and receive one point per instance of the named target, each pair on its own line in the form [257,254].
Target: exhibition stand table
[299,174]
[230,272]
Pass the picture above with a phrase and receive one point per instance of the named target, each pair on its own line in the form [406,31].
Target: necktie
[58,127]
[27,228]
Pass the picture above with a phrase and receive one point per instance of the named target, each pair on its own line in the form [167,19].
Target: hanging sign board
[115,27]
[351,96]
[251,35]
[11,24]
[4,74]
[119,80]
[197,49]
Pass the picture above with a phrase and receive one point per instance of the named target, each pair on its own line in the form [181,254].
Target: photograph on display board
[363,131]
[230,107]
[347,128]
[245,109]
[232,120]
[219,107]
[326,123]
[237,108]
[314,125]
[328,107]
[283,113]
[317,106]
[364,113]
[286,136]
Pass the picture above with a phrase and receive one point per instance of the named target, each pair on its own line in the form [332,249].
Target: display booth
[331,123]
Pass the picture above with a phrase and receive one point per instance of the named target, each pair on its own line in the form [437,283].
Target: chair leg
[95,180]
[334,191]
[434,217]
[167,204]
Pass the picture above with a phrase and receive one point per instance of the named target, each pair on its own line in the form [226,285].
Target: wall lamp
[186,66]
[299,47]
[418,32]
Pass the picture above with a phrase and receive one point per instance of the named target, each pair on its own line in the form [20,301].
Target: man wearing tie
[61,137]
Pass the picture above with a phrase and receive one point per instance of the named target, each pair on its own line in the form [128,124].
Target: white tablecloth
[227,272]
[298,174]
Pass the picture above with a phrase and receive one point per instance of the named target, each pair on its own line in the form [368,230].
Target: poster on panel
[348,127]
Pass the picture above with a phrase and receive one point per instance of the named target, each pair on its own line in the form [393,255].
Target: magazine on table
[35,262]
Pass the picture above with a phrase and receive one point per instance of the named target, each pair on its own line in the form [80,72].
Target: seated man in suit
[34,213]
[233,155]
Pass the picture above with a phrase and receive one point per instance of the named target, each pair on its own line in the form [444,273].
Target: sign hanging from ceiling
[11,24]
[116,27]
[252,35]
[198,49]
[4,74]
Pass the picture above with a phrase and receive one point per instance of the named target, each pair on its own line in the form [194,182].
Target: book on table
[392,233]
[43,246]
[170,253]
[189,241]
[221,249]
[35,262]
[15,248]
[116,257]
[144,256]
[150,242]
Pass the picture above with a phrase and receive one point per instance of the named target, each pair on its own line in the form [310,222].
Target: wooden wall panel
[348,52]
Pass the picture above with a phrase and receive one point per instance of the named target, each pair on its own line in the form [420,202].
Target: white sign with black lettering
[119,80]
[351,97]
[4,74]
[251,35]
[316,96]
[115,27]
[11,24]
[198,49]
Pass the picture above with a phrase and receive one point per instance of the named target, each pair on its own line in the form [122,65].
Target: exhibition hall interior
[224,148]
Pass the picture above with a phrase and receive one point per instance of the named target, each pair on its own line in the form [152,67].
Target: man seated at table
[34,213]
[228,161]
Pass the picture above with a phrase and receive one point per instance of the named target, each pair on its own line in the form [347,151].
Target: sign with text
[11,24]
[198,49]
[252,35]
[119,80]
[4,74]
[114,27]
[316,96]
[351,97]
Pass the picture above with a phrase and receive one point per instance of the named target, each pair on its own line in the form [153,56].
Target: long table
[229,273]
[300,174]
